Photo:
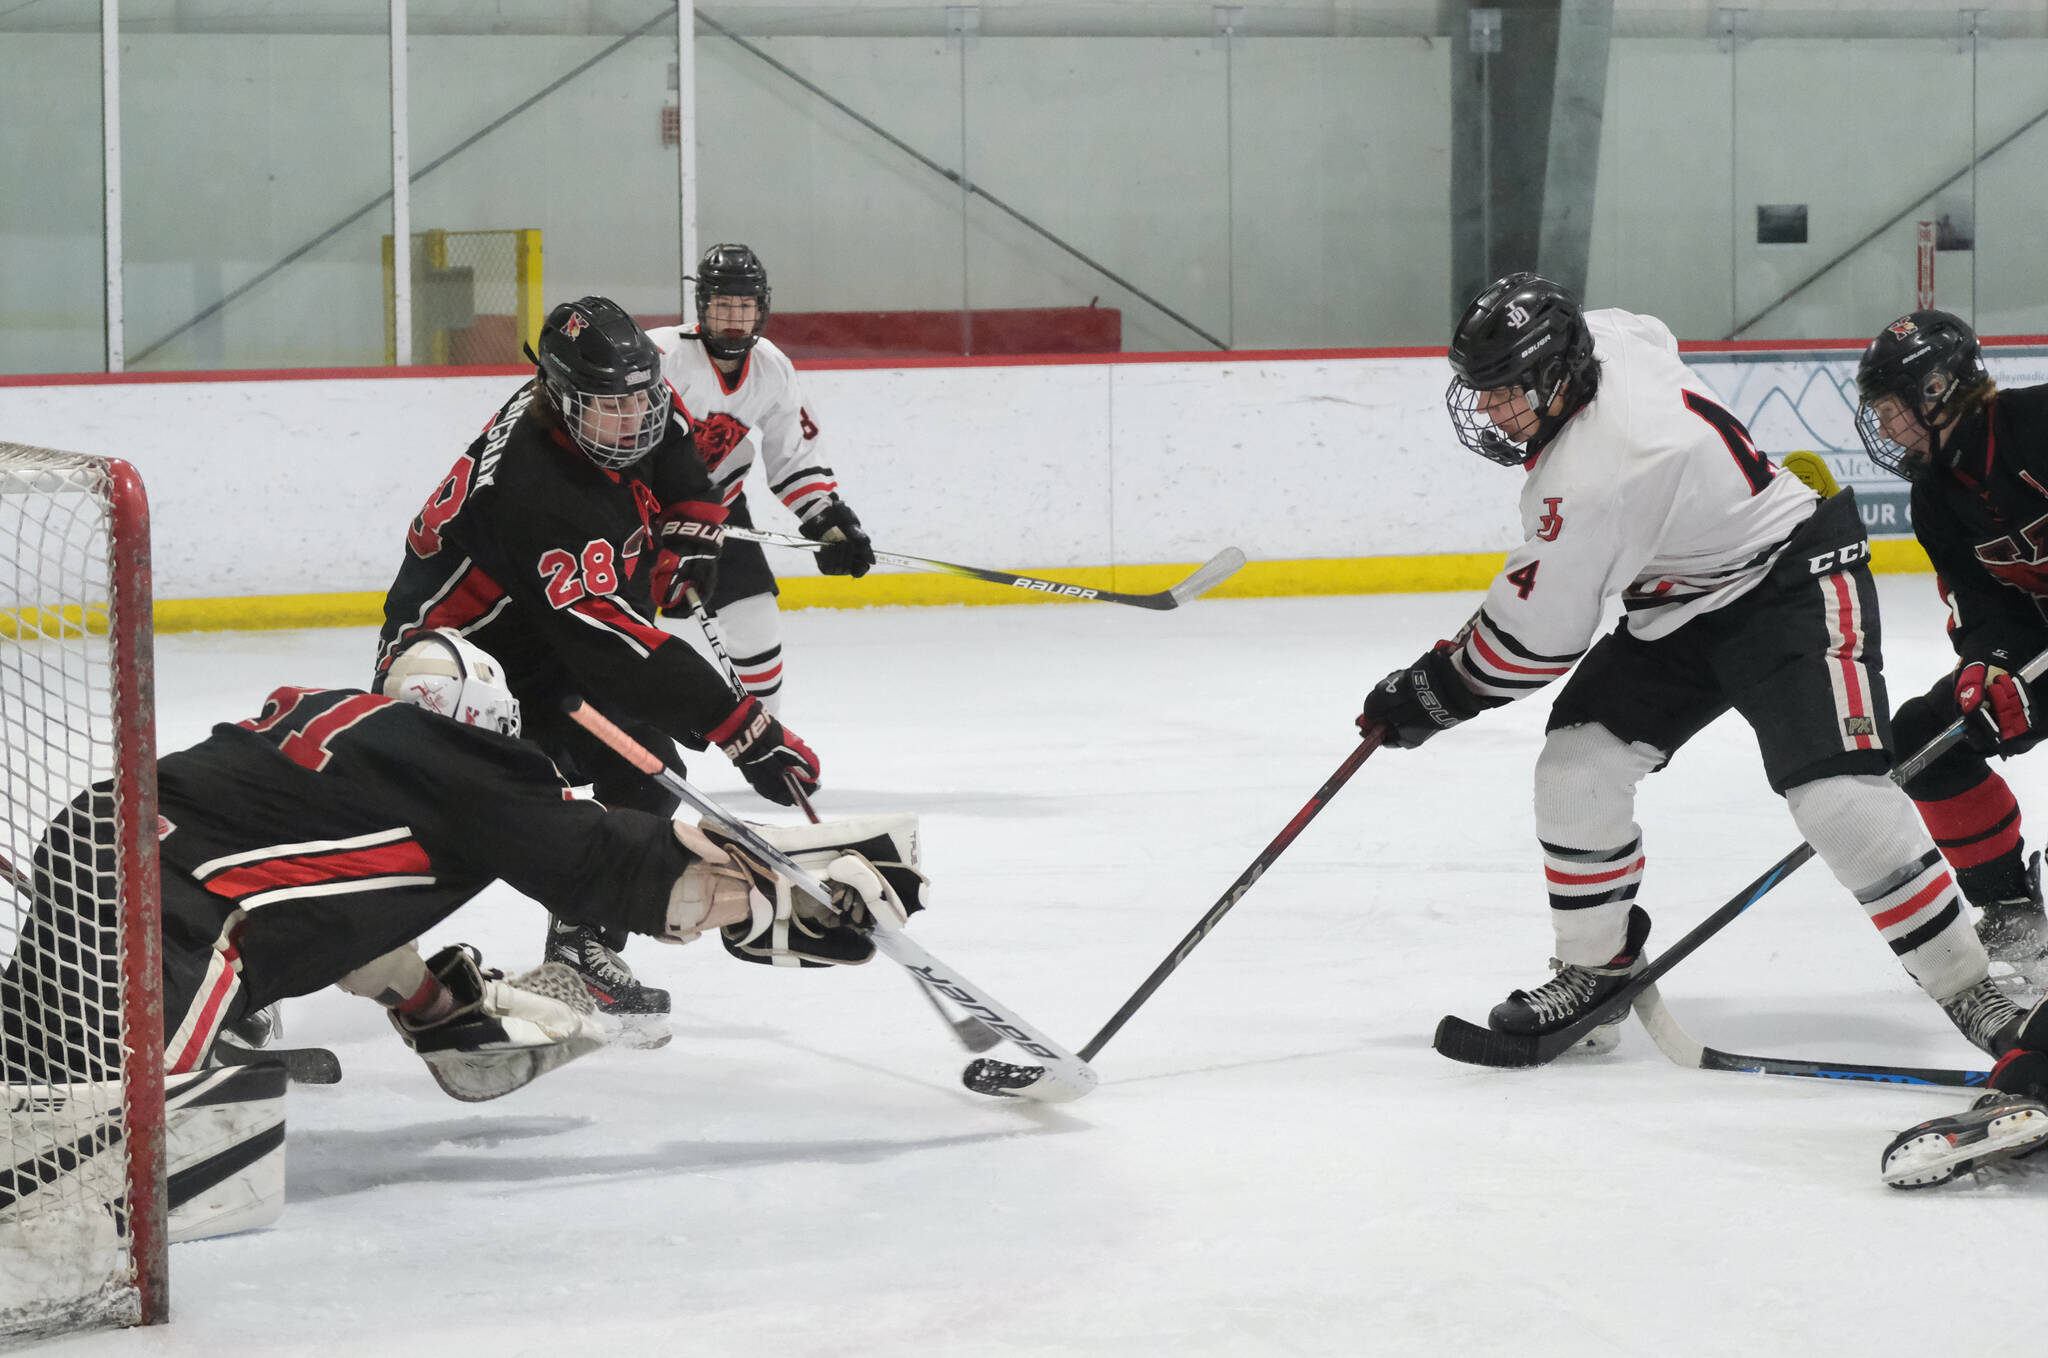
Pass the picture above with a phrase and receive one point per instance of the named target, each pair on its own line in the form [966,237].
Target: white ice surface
[1276,1162]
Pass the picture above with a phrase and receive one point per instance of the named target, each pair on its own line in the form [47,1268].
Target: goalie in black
[311,844]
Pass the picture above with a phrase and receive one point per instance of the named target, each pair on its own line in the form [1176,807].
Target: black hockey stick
[988,1076]
[1468,1042]
[1680,1047]
[1212,573]
[302,1065]
[1066,1076]
[974,1035]
[1477,1046]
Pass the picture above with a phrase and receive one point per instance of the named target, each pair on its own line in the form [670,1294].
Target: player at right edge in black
[580,510]
[1977,457]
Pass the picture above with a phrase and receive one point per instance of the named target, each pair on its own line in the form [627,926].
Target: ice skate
[1575,991]
[634,1015]
[503,1033]
[2015,933]
[1987,1016]
[1940,1150]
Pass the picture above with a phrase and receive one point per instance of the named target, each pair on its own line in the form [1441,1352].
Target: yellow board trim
[1259,580]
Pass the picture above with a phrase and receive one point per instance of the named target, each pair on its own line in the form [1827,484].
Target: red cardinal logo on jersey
[716,437]
[2021,560]
[575,325]
[1552,522]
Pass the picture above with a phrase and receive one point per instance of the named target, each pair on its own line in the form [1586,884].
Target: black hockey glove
[1997,706]
[1417,702]
[765,750]
[847,549]
[688,539]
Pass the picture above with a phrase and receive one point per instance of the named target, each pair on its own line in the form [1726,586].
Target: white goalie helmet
[445,673]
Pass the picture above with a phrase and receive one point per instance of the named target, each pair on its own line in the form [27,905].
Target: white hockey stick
[974,1035]
[1210,574]
[1066,1077]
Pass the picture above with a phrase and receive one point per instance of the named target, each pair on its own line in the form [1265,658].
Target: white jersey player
[1740,588]
[742,392]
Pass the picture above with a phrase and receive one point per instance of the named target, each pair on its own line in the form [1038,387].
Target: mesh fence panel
[65,1239]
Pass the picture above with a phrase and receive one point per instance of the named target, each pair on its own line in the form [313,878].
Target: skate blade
[1598,1042]
[641,1032]
[1940,1155]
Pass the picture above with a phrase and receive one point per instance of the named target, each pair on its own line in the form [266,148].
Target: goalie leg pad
[504,1033]
[870,866]
[223,1153]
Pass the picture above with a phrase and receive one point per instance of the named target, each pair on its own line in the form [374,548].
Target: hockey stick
[302,1065]
[988,1076]
[1680,1047]
[1212,573]
[1068,1076]
[1468,1042]
[974,1035]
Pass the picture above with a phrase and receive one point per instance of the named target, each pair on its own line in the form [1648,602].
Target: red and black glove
[1424,698]
[847,550]
[688,539]
[765,750]
[1997,705]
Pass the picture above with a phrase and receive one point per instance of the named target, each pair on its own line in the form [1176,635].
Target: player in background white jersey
[740,390]
[1740,588]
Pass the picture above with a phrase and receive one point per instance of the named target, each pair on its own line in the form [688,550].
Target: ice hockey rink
[1275,1163]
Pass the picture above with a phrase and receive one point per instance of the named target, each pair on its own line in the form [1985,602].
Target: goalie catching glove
[1998,707]
[869,864]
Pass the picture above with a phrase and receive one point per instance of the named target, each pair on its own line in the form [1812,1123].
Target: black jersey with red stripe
[369,811]
[1984,522]
[543,558]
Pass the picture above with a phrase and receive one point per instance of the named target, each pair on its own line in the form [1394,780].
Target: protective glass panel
[257,179]
[52,306]
[835,157]
[543,170]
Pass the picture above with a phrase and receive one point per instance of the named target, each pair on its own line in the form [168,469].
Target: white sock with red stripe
[1586,795]
[1870,835]
[753,638]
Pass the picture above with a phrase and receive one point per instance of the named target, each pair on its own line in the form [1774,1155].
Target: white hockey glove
[868,863]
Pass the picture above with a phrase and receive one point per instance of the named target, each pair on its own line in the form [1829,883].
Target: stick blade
[1044,1084]
[1219,568]
[1476,1046]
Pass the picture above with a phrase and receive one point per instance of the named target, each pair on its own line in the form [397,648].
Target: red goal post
[82,1190]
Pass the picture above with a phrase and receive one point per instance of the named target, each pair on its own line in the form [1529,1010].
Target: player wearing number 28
[578,509]
[1740,589]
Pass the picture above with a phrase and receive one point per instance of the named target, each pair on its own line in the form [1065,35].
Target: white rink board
[306,486]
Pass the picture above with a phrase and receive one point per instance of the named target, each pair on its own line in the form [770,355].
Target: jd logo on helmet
[1518,315]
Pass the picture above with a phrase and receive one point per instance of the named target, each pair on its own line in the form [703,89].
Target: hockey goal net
[81,1023]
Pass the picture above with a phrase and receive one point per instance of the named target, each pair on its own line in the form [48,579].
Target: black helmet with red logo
[1918,378]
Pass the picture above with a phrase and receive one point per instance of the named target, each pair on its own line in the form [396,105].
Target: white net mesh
[65,1256]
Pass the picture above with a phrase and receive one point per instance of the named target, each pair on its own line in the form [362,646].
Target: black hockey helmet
[604,375]
[1523,333]
[1930,364]
[730,271]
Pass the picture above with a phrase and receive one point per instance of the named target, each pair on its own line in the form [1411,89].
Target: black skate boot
[1574,991]
[633,1013]
[1997,1127]
[2014,929]
[1987,1017]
